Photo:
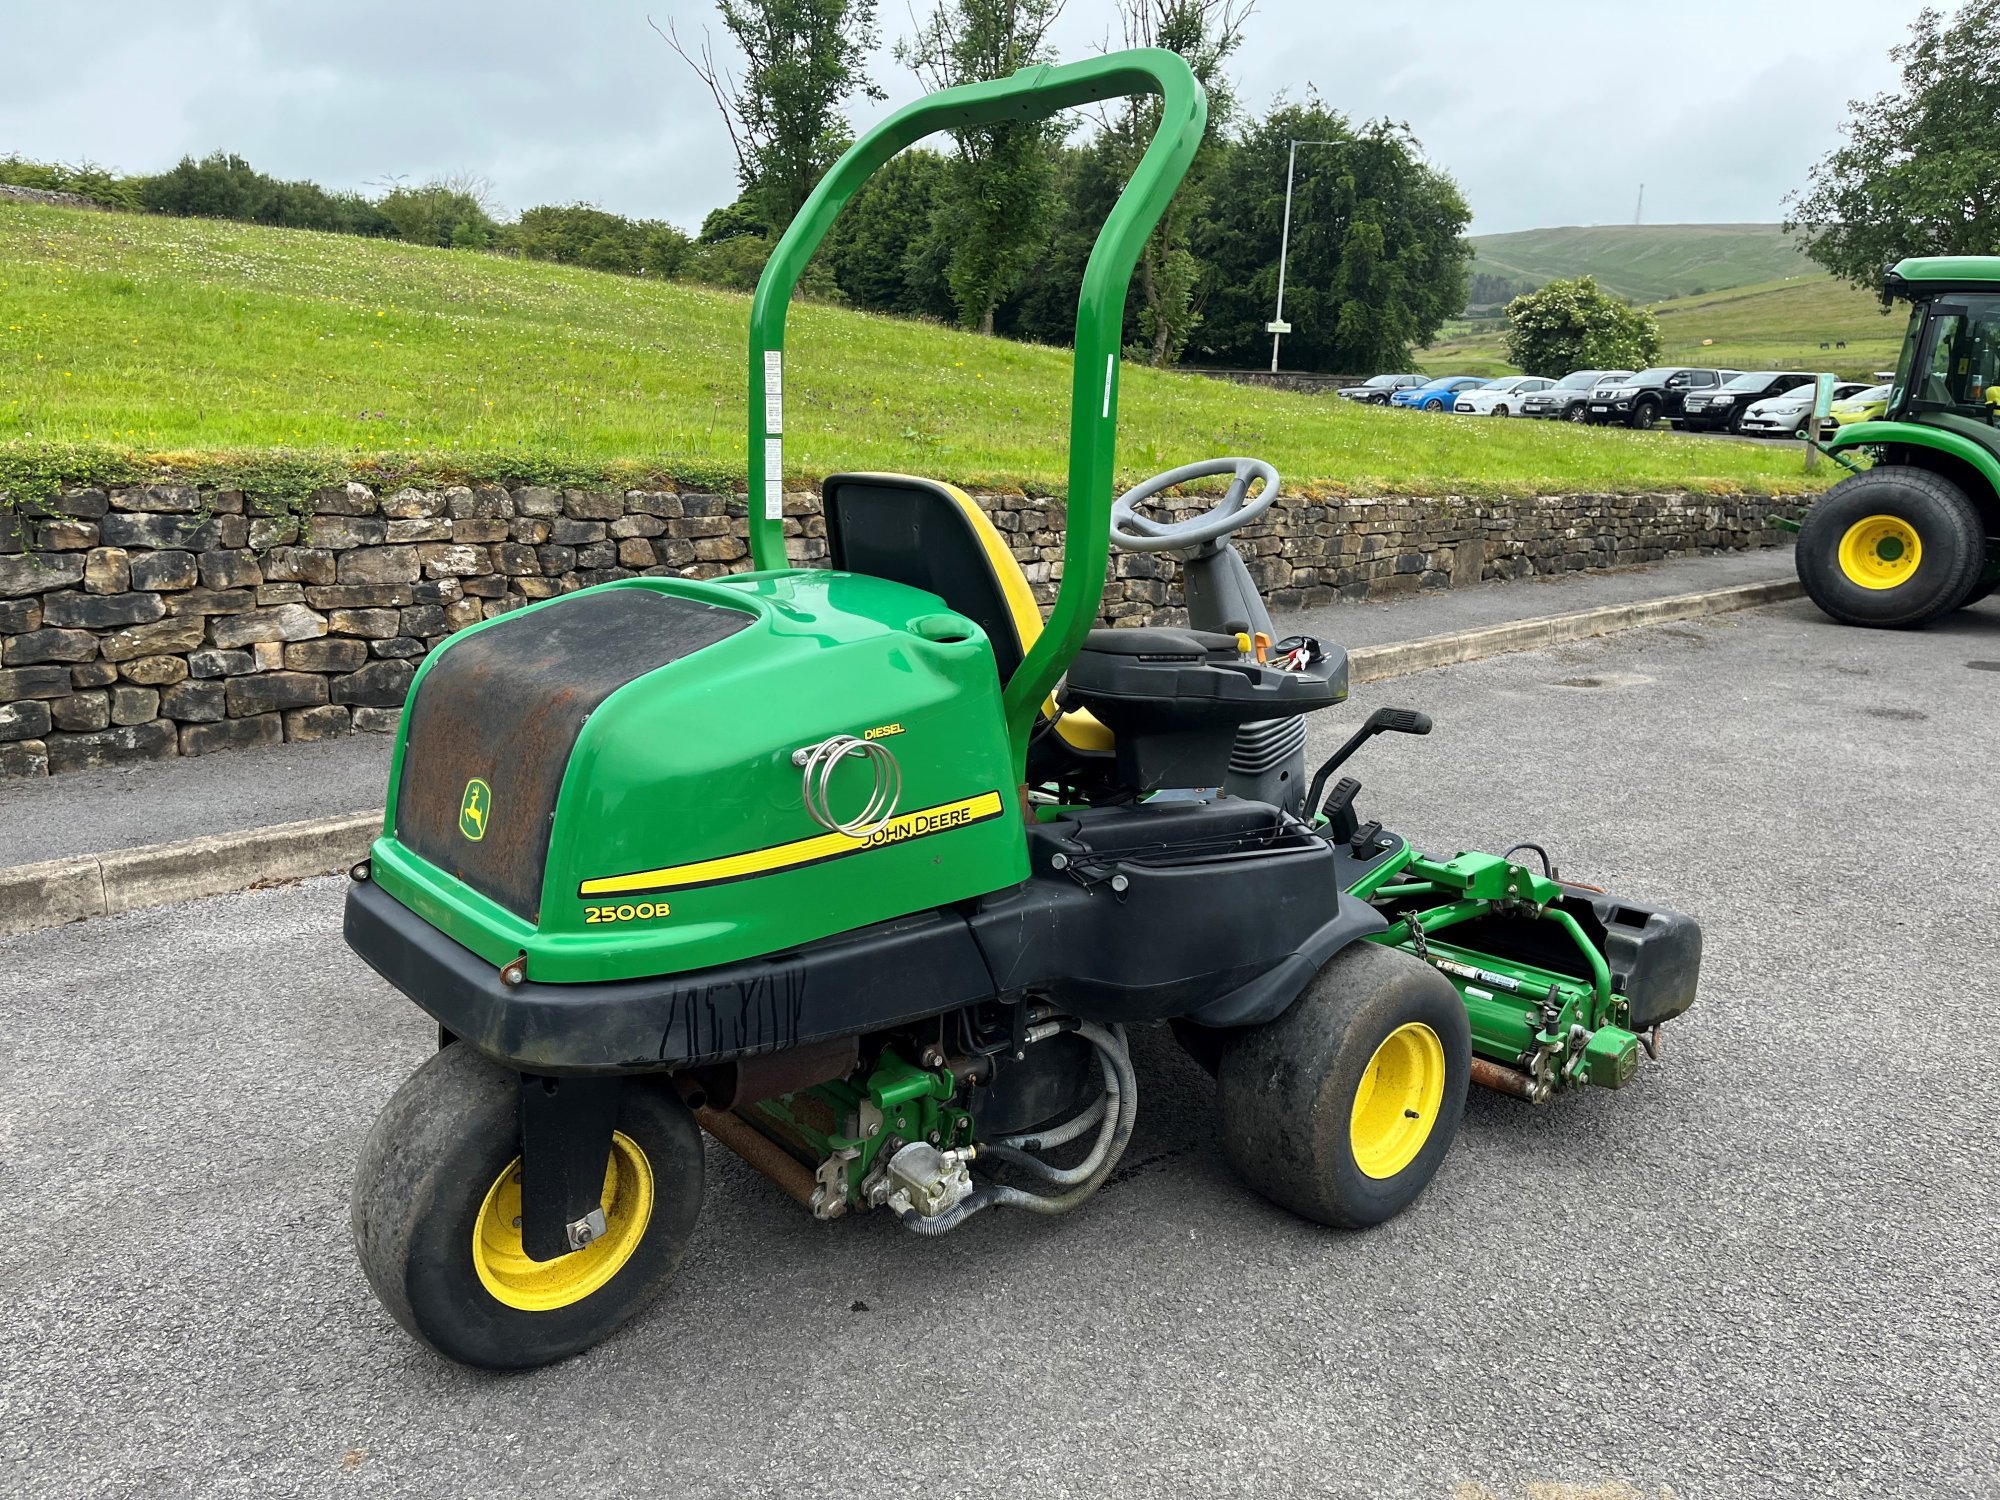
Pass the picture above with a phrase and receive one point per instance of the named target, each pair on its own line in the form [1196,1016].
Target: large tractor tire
[1895,548]
[436,1206]
[1343,1107]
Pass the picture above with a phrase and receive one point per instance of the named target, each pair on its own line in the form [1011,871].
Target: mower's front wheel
[437,1199]
[1343,1107]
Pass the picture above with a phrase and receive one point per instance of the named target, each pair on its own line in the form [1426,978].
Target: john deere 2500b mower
[1917,535]
[867,870]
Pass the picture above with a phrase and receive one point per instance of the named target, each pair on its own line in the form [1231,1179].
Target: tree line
[993,231]
[449,213]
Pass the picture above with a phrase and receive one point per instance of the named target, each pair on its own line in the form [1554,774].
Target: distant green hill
[1645,262]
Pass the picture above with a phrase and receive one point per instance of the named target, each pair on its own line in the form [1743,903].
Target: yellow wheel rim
[541,1286]
[1397,1104]
[1880,552]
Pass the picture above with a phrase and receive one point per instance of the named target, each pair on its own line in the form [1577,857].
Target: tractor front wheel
[436,1217]
[1895,548]
[1343,1107]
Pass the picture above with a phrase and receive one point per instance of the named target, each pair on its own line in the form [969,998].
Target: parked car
[1439,395]
[1564,401]
[1377,389]
[1652,396]
[1786,415]
[1722,411]
[1863,406]
[1499,398]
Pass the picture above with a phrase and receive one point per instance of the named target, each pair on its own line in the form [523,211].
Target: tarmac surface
[1767,1268]
[89,812]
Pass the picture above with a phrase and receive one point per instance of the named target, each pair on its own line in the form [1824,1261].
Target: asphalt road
[1767,1268]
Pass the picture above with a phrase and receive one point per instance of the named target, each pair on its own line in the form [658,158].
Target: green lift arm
[1031,94]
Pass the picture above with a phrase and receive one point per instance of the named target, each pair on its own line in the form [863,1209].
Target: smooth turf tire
[440,1144]
[1286,1090]
[1945,522]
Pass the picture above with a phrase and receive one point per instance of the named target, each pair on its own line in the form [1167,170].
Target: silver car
[1564,401]
[1785,415]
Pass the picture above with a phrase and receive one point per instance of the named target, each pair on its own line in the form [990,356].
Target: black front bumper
[910,968]
[1708,421]
[1221,912]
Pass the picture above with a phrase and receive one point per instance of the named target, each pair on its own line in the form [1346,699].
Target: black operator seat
[934,537]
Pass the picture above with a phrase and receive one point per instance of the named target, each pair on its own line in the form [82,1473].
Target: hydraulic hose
[1121,1113]
[1108,1107]
[1061,1135]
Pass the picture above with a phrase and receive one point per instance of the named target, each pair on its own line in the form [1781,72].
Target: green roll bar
[1031,94]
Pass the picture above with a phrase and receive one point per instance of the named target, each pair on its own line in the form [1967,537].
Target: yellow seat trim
[1078,727]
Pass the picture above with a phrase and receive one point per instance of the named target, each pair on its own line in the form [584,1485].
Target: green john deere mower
[867,870]
[1916,535]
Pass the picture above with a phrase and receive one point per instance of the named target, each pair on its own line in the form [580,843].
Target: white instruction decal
[774,390]
[774,479]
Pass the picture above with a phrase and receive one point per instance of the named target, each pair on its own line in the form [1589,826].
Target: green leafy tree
[802,61]
[1919,172]
[580,234]
[999,192]
[1378,256]
[1087,181]
[1572,325]
[1489,289]
[880,249]
[222,185]
[453,212]
[1170,276]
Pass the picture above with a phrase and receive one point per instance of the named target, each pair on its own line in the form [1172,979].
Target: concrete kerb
[1371,663]
[95,885]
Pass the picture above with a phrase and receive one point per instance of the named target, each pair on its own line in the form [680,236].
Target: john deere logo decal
[478,801]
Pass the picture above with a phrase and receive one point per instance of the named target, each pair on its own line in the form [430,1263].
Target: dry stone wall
[159,620]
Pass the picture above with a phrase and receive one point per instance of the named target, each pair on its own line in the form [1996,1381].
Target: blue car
[1440,395]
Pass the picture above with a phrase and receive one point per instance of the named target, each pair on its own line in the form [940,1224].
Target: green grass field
[174,341]
[1777,326]
[1781,325]
[1647,262]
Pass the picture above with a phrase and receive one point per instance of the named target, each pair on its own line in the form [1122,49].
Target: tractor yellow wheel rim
[1396,1106]
[1880,552]
[542,1286]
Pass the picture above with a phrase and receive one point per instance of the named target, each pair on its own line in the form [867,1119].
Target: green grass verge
[130,345]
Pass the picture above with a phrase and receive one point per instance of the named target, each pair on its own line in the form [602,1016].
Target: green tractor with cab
[1916,534]
[866,871]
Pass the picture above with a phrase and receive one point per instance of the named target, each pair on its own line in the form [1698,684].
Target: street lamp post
[1278,327]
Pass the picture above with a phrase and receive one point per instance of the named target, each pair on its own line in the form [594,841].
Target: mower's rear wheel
[1343,1107]
[435,1215]
[1895,547]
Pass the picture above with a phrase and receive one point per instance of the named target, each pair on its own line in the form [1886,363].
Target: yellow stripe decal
[922,823]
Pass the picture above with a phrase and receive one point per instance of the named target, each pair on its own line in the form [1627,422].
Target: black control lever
[1382,721]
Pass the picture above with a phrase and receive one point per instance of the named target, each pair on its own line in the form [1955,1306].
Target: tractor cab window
[1957,361]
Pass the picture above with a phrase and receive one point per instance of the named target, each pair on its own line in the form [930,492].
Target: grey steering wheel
[1132,532]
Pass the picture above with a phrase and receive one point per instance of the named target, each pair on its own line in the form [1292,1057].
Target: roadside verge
[96,885]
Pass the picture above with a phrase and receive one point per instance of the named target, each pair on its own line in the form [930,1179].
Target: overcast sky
[1546,111]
